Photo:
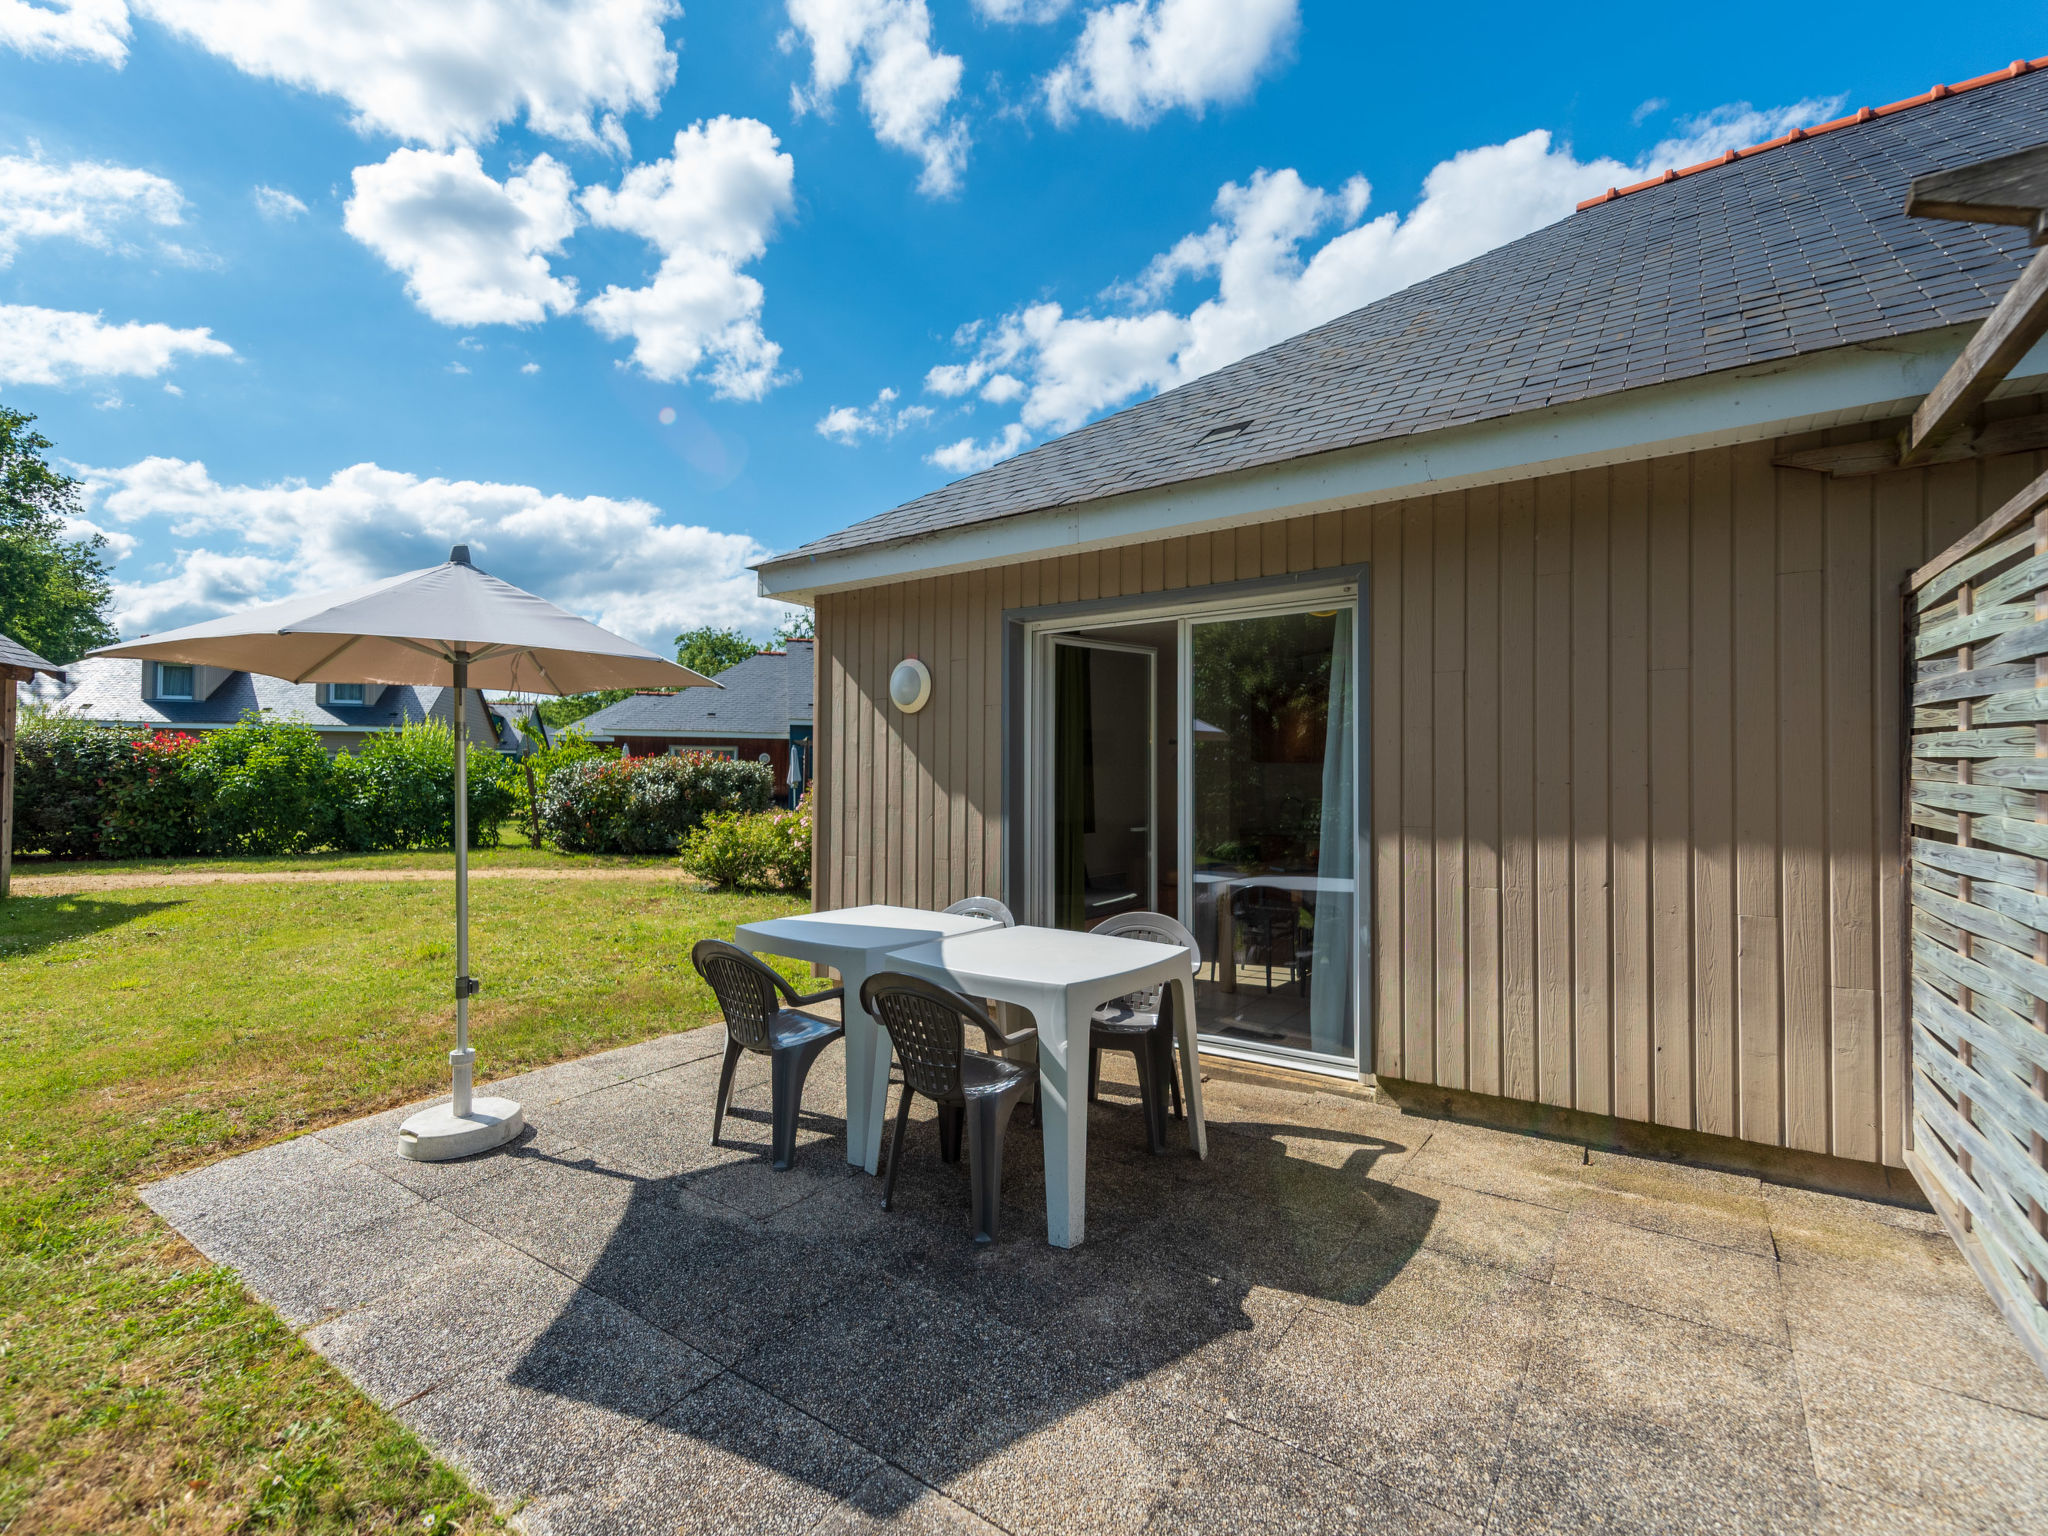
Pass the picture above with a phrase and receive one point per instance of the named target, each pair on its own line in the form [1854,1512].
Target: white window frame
[730,754]
[191,693]
[334,693]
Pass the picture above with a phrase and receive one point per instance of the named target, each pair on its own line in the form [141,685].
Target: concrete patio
[1348,1319]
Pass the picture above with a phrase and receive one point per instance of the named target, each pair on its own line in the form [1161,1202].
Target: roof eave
[1834,387]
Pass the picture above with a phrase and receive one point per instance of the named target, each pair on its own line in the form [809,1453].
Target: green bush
[91,791]
[398,791]
[268,787]
[156,806]
[67,770]
[646,804]
[753,851]
[570,746]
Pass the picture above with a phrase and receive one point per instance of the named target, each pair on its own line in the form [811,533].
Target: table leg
[1063,1102]
[867,1079]
[1191,1064]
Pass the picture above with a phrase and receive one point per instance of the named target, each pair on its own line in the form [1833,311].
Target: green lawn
[144,1032]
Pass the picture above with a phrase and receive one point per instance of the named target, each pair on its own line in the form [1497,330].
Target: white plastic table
[854,941]
[1061,978]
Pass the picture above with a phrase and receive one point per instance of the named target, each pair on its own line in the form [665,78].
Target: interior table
[1061,978]
[854,941]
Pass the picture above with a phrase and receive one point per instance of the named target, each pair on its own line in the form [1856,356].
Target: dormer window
[173,682]
[344,693]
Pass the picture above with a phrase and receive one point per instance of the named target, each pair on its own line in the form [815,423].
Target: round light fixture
[910,685]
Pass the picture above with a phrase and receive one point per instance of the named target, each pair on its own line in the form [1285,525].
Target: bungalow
[761,711]
[160,696]
[1506,681]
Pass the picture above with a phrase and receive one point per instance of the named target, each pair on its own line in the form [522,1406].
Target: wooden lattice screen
[1977,621]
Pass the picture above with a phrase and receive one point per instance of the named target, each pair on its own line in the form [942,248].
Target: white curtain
[1329,1004]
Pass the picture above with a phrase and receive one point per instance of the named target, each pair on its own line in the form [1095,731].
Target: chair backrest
[745,989]
[1154,928]
[986,907]
[928,1027]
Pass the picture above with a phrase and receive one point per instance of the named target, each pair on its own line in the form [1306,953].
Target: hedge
[761,850]
[90,791]
[646,804]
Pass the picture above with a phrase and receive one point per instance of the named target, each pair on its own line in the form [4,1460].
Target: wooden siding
[1636,761]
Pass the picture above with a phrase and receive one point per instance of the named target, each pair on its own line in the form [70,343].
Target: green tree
[53,590]
[710,651]
[802,624]
[574,706]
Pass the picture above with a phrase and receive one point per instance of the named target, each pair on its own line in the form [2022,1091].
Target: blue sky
[615,291]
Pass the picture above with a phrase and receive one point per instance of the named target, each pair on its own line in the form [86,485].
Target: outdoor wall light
[910,685]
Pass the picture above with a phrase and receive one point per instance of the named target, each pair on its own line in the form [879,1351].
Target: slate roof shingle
[1798,250]
[759,697]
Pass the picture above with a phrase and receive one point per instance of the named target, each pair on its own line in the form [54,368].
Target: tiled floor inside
[1347,1319]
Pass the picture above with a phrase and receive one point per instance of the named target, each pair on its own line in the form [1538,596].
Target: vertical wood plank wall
[1636,756]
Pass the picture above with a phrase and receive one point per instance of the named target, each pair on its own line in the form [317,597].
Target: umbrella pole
[465,1125]
[463,1059]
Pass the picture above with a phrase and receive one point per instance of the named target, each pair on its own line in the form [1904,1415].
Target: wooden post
[9,676]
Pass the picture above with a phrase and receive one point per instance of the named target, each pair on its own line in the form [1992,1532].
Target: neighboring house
[163,696]
[1504,680]
[760,712]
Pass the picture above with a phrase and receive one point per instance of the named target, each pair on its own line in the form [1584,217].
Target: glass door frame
[1032,805]
[1054,640]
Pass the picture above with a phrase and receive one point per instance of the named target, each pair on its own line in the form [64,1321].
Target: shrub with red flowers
[646,804]
[156,808]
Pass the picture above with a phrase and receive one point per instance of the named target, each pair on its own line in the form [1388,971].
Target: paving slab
[1248,1484]
[1346,1319]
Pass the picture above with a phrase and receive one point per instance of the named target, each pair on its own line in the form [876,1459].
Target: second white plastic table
[1061,978]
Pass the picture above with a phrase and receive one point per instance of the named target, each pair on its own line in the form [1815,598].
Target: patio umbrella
[449,623]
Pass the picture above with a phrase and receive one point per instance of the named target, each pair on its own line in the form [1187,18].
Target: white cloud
[620,562]
[474,251]
[54,346]
[709,209]
[967,456]
[172,389]
[450,73]
[85,200]
[55,29]
[529,367]
[1285,256]
[848,424]
[1022,10]
[277,204]
[1141,58]
[906,88]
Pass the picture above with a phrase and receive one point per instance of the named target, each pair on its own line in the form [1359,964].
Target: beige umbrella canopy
[447,624]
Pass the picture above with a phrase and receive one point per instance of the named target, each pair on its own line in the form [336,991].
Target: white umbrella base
[437,1135]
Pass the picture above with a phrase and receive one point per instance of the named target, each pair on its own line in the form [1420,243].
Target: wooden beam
[7,713]
[2008,517]
[2020,320]
[1874,456]
[2013,189]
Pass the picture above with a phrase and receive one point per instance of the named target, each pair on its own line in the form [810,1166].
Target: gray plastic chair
[984,907]
[1142,1023]
[973,1090]
[752,997]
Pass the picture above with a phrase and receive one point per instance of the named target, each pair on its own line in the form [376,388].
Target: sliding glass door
[1203,761]
[1270,861]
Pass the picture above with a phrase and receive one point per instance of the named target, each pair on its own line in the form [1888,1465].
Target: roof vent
[1228,429]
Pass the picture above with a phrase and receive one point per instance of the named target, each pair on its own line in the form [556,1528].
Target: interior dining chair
[764,1014]
[975,1091]
[1142,1023]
